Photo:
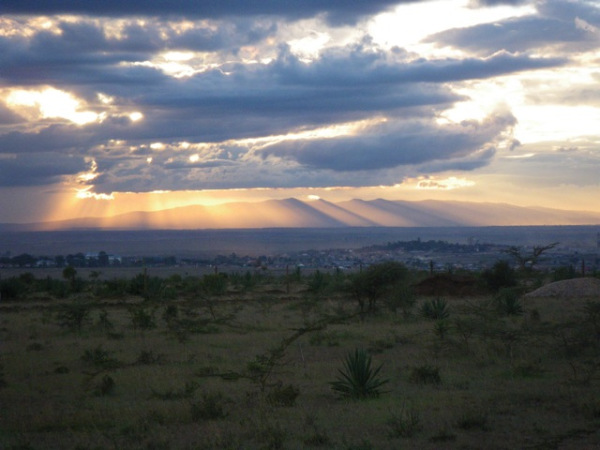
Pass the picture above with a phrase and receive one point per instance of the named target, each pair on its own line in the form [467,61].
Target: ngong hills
[323,214]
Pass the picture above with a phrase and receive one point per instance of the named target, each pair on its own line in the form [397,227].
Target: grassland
[251,366]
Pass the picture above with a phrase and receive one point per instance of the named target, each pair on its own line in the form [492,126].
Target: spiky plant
[358,379]
[436,309]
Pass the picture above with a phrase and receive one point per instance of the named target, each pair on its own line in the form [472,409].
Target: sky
[112,106]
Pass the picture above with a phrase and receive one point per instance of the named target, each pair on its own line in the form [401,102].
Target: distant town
[431,255]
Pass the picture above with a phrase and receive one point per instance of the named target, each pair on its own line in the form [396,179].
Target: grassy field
[253,369]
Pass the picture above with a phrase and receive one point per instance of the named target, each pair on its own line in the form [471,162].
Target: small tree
[501,275]
[376,282]
[69,273]
[73,316]
[525,260]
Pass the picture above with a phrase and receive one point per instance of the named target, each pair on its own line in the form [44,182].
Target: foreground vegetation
[329,360]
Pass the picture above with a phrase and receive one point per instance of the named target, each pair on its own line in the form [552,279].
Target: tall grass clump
[358,379]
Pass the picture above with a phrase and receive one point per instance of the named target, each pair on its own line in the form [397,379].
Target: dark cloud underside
[336,11]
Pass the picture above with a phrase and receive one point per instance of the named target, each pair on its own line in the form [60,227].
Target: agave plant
[436,309]
[358,379]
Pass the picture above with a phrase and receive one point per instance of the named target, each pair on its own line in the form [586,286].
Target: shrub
[13,288]
[100,358]
[401,297]
[3,382]
[209,407]
[441,328]
[315,437]
[283,395]
[376,282]
[508,303]
[73,316]
[187,392]
[564,273]
[142,319]
[436,309]
[404,424]
[358,379]
[104,322]
[473,420]
[425,374]
[501,275]
[147,357]
[106,386]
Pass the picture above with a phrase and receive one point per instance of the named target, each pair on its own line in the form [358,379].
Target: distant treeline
[434,246]
[100,259]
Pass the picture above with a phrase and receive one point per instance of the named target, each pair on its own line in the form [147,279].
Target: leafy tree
[69,273]
[214,284]
[501,275]
[73,316]
[24,260]
[376,282]
[13,288]
[103,259]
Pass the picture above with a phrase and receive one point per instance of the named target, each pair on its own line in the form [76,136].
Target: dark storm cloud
[342,69]
[49,139]
[336,11]
[38,169]
[559,25]
[394,144]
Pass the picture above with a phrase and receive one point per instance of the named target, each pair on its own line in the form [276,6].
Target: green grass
[491,379]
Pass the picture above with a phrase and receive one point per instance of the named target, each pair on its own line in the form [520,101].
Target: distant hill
[293,213]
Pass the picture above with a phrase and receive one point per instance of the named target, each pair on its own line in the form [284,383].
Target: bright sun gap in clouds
[52,103]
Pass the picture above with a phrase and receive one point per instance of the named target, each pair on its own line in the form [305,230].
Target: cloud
[484,3]
[396,143]
[556,28]
[38,169]
[236,101]
[336,12]
[228,97]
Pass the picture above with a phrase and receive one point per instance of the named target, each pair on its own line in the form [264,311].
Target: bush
[358,379]
[209,407]
[501,275]
[106,386]
[405,424]
[283,395]
[508,303]
[376,282]
[100,358]
[13,288]
[73,316]
[425,374]
[473,420]
[564,273]
[142,319]
[401,297]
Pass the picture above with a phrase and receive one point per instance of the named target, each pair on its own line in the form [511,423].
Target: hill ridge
[295,213]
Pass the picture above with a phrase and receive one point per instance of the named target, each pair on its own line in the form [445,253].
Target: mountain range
[293,213]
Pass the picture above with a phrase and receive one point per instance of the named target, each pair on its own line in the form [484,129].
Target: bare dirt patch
[574,288]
